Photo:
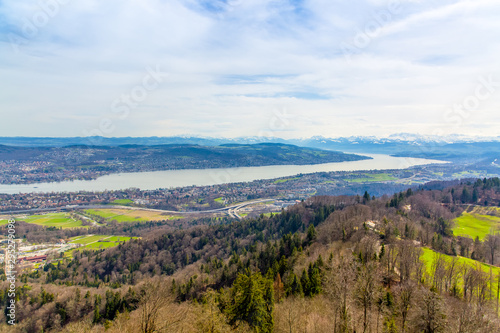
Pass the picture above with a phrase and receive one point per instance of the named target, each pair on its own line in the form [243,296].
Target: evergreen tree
[97,314]
[252,302]
[366,197]
[465,195]
[314,282]
[382,251]
[311,233]
[475,196]
[295,286]
[304,281]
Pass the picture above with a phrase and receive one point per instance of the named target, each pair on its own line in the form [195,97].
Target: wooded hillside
[328,264]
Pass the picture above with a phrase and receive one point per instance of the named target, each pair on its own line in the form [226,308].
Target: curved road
[231,210]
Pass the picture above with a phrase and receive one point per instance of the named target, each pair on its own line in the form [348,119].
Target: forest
[327,264]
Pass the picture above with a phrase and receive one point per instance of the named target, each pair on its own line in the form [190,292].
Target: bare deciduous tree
[408,260]
[438,269]
[432,318]
[452,273]
[366,290]
[155,297]
[210,318]
[338,288]
[405,293]
[492,243]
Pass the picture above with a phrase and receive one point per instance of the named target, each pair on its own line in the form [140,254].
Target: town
[199,198]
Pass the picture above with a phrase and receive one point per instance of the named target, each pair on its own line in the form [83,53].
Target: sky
[232,68]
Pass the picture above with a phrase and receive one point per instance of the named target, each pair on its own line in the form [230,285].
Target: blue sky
[231,68]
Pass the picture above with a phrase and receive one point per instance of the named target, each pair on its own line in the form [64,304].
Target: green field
[130,215]
[86,239]
[127,218]
[477,223]
[104,244]
[367,177]
[468,174]
[279,181]
[428,257]
[98,241]
[106,213]
[60,220]
[123,202]
[219,200]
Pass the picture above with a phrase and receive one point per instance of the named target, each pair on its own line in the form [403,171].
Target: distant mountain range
[452,147]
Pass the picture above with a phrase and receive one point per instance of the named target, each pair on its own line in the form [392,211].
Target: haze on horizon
[231,68]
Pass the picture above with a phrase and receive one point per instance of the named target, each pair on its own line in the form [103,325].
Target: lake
[204,177]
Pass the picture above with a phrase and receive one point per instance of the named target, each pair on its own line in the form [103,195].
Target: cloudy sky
[228,68]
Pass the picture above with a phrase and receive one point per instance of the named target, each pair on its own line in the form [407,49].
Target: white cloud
[232,64]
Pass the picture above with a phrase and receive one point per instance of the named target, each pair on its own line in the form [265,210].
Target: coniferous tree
[252,302]
[366,197]
[295,286]
[311,233]
[304,281]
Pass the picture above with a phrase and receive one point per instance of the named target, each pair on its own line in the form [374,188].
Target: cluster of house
[30,255]
[33,260]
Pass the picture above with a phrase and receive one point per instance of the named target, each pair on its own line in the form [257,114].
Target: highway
[230,210]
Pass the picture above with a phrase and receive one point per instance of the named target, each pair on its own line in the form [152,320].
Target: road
[230,210]
[239,206]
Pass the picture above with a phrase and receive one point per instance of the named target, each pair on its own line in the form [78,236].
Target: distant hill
[231,154]
[37,164]
[452,148]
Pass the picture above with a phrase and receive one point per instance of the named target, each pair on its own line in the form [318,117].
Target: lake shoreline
[152,180]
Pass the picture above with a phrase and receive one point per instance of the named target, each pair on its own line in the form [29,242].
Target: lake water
[203,177]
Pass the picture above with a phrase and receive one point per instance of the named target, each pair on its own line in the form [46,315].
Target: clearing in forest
[477,222]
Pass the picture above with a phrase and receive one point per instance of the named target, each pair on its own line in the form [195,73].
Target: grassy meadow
[428,256]
[478,222]
[279,181]
[123,202]
[130,215]
[368,178]
[59,220]
[96,242]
